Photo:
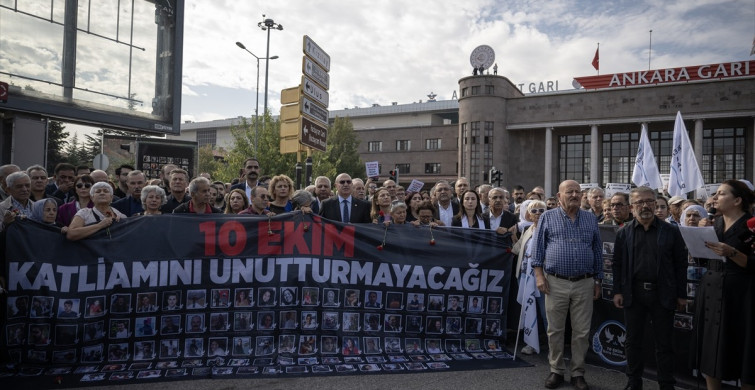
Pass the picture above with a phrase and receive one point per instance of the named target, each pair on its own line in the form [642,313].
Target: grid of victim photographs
[248,330]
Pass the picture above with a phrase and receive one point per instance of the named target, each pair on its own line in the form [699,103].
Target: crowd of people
[558,236]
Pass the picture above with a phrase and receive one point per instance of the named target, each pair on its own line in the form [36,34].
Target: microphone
[712,213]
[748,236]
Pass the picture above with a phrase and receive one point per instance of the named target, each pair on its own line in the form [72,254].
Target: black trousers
[645,304]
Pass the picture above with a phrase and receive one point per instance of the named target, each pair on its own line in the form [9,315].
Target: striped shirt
[566,247]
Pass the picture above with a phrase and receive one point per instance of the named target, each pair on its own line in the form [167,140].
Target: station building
[590,134]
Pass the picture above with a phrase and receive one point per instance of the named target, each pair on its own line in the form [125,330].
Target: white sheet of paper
[696,237]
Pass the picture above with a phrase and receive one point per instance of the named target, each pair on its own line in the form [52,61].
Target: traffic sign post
[304,108]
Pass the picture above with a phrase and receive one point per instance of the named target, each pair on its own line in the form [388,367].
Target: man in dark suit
[62,188]
[649,268]
[446,208]
[251,172]
[344,207]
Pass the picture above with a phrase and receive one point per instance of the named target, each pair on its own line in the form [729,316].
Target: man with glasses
[501,219]
[260,202]
[620,210]
[445,208]
[344,207]
[649,266]
[568,261]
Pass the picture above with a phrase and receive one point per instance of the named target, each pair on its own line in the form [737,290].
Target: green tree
[342,152]
[74,153]
[57,142]
[207,163]
[272,162]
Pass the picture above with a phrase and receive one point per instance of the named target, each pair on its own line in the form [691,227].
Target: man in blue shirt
[568,263]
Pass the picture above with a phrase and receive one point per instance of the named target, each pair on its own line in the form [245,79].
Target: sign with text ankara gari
[670,75]
[182,296]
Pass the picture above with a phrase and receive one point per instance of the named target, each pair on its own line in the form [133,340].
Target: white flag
[685,174]
[526,297]
[645,169]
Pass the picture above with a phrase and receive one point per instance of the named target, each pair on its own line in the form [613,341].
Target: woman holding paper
[725,319]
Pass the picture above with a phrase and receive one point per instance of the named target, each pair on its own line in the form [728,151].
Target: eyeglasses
[537,211]
[344,182]
[648,202]
[82,185]
[267,198]
[617,205]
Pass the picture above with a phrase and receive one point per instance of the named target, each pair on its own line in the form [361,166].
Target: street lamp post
[268,24]
[257,90]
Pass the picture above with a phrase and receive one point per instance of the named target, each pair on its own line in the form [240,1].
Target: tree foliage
[341,154]
[57,142]
[206,162]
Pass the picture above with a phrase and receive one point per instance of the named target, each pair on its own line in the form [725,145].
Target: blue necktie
[345,213]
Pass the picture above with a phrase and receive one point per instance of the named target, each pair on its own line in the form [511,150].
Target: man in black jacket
[344,207]
[649,265]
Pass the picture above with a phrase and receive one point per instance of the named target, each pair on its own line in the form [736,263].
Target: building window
[375,146]
[723,154]
[476,90]
[403,168]
[619,153]
[661,142]
[432,168]
[432,144]
[574,158]
[207,137]
[403,145]
[464,92]
[489,90]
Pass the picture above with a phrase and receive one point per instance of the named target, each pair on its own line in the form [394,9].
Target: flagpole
[650,48]
[598,59]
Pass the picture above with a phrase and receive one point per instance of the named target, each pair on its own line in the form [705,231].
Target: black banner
[174,296]
[608,331]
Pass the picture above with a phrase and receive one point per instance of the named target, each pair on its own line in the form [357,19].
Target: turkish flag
[596,59]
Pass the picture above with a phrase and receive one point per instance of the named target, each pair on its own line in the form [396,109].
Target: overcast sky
[398,50]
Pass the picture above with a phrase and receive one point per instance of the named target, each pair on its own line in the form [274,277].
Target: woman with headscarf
[692,215]
[533,209]
[82,199]
[524,222]
[45,211]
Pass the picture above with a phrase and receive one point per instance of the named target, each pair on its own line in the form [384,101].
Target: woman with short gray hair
[153,197]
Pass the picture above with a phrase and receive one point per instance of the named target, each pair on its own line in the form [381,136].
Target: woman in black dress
[725,314]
